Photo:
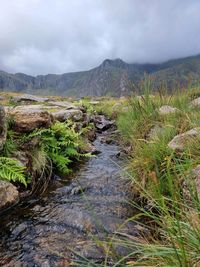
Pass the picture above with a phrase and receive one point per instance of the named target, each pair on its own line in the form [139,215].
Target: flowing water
[67,223]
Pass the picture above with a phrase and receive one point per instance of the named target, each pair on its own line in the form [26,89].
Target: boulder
[3,127]
[180,141]
[29,98]
[27,118]
[8,194]
[72,114]
[164,110]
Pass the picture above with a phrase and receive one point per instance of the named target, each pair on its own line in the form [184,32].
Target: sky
[58,36]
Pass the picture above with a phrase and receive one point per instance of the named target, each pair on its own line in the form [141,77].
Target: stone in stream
[90,148]
[3,127]
[8,194]
[101,123]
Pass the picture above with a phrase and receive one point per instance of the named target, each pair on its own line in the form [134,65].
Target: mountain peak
[118,63]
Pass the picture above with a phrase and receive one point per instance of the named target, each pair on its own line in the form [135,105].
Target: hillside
[112,77]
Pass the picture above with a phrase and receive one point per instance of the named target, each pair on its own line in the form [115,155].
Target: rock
[28,118]
[29,98]
[3,127]
[196,102]
[2,98]
[8,194]
[107,140]
[155,132]
[164,110]
[180,141]
[91,135]
[62,104]
[76,190]
[89,148]
[21,158]
[101,123]
[86,119]
[72,114]
[91,251]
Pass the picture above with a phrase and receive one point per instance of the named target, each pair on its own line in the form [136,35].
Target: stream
[67,224]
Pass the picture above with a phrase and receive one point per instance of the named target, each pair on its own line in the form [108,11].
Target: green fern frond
[11,171]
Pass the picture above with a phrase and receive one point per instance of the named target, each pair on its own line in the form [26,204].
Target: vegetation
[164,190]
[56,147]
[60,143]
[11,170]
[168,204]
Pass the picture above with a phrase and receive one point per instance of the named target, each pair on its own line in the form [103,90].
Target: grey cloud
[47,36]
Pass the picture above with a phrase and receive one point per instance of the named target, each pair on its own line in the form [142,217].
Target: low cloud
[47,36]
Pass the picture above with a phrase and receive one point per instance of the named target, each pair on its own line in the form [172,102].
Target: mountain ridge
[112,77]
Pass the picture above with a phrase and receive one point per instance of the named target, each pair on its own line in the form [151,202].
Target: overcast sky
[56,36]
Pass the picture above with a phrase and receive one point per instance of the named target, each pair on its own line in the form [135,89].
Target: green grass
[159,174]
[161,179]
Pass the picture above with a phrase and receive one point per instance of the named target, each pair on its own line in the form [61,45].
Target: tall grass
[163,180]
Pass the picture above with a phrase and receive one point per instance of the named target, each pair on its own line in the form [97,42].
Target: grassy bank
[161,179]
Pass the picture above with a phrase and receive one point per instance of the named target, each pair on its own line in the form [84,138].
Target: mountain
[112,77]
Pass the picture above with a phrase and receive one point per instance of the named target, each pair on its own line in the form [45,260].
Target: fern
[61,144]
[11,171]
[10,145]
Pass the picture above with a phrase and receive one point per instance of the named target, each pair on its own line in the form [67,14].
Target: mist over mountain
[112,77]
